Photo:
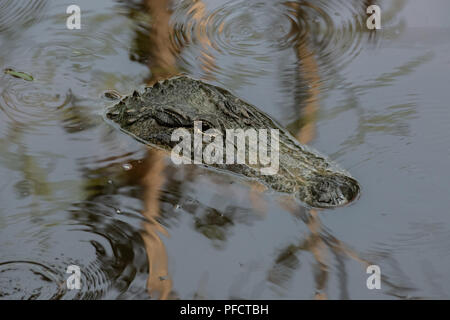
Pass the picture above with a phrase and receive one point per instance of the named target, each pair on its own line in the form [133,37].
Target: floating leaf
[18,74]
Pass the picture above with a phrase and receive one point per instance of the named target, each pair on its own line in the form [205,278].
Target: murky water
[75,191]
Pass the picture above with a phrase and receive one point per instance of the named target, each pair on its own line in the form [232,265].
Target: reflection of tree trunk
[309,71]
[319,243]
[315,242]
[163,54]
[318,249]
[162,64]
[162,61]
[207,60]
[158,280]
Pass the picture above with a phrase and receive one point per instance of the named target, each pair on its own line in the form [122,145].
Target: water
[75,191]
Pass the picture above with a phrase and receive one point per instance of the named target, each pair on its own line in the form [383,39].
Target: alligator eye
[208,124]
[169,117]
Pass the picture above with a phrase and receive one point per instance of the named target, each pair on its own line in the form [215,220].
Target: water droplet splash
[127,166]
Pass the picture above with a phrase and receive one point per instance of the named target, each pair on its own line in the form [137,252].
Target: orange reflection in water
[162,64]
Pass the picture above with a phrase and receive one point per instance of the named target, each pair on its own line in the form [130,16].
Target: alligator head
[153,115]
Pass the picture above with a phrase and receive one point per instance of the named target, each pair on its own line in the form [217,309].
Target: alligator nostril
[350,189]
[332,191]
[112,114]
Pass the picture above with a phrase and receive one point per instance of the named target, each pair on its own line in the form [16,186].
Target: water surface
[75,191]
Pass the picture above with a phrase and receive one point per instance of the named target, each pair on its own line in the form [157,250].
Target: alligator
[152,116]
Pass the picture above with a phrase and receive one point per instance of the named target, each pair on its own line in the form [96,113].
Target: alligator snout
[328,191]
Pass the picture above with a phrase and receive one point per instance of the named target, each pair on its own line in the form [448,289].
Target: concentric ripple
[19,13]
[235,28]
[23,102]
[61,64]
[27,280]
[333,30]
[247,31]
[256,30]
[37,252]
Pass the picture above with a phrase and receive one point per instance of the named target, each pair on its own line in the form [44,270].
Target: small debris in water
[127,166]
[118,211]
[18,74]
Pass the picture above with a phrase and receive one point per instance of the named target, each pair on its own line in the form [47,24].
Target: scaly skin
[152,116]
